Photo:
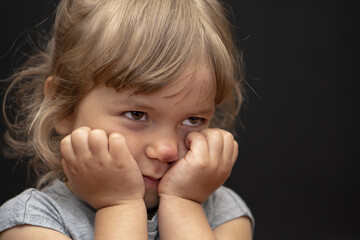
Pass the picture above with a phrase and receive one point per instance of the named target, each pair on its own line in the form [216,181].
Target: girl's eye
[136,115]
[193,121]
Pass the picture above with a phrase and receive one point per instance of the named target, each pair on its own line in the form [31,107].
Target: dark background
[298,165]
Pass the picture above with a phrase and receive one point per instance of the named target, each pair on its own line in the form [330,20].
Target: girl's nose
[163,148]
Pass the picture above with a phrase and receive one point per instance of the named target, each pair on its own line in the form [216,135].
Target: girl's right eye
[136,115]
[193,121]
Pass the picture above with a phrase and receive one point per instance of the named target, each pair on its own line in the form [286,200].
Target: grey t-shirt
[55,207]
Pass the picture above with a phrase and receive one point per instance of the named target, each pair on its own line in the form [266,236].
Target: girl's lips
[151,182]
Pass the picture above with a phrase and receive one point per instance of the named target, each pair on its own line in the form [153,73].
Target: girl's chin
[151,199]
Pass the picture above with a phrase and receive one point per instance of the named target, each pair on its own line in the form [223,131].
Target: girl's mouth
[151,182]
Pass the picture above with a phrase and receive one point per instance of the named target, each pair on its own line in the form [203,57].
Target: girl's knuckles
[117,137]
[228,137]
[66,140]
[97,132]
[80,132]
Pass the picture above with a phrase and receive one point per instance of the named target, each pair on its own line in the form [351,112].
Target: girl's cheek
[136,144]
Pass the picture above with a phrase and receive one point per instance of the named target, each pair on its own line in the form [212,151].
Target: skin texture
[149,151]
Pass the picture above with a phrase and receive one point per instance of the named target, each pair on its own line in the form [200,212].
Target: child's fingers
[229,145]
[215,140]
[118,147]
[196,142]
[68,155]
[98,143]
[66,148]
[79,140]
[222,148]
[235,152]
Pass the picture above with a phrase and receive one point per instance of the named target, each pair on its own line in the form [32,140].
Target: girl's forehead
[198,84]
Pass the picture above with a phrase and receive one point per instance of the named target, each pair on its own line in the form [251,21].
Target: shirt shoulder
[31,207]
[225,205]
[54,207]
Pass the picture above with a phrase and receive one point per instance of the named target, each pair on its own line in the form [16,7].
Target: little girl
[122,117]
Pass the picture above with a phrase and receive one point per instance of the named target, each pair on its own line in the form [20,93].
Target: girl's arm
[127,221]
[116,222]
[100,170]
[186,219]
[208,163]
[27,232]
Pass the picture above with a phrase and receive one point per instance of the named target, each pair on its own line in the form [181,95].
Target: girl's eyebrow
[131,104]
[207,112]
[142,106]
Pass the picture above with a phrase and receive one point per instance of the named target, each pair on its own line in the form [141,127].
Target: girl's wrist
[126,220]
[173,200]
[128,203]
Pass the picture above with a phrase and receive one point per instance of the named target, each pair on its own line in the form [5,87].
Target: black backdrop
[298,164]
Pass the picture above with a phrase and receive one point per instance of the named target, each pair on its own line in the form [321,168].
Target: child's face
[154,126]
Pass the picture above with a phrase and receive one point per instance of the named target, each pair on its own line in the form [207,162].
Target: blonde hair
[138,44]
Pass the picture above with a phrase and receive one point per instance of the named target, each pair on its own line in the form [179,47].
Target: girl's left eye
[136,115]
[193,121]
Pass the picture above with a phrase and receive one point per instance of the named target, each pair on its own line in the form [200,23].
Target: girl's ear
[48,86]
[62,127]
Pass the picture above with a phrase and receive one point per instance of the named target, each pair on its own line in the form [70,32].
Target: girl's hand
[101,169]
[208,163]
